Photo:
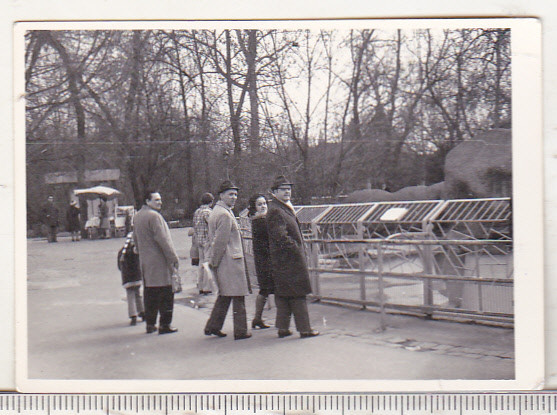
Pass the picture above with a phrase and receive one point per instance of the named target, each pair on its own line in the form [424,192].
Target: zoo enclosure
[448,259]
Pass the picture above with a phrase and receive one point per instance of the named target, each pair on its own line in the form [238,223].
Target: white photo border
[527,149]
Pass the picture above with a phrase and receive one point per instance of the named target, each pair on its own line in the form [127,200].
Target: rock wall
[480,167]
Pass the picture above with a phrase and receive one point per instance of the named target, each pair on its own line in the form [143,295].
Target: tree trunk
[366,36]
[73,80]
[204,122]
[190,202]
[498,75]
[234,112]
[130,127]
[252,88]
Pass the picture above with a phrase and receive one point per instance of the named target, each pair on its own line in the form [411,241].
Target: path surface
[78,329]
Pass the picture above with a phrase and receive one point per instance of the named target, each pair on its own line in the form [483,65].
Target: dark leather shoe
[151,329]
[133,321]
[167,329]
[260,324]
[312,333]
[242,336]
[284,333]
[217,333]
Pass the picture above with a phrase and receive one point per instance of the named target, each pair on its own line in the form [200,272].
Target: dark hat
[281,181]
[227,185]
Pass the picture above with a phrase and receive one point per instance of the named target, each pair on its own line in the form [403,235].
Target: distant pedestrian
[257,211]
[226,259]
[128,222]
[104,215]
[128,264]
[289,267]
[72,218]
[51,219]
[201,238]
[158,261]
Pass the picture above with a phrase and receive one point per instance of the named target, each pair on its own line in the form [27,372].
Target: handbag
[194,251]
[207,282]
[176,282]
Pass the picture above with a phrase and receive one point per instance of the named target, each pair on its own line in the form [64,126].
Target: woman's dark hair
[251,205]
[207,199]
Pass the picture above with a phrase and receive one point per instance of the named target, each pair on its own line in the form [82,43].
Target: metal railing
[464,280]
[439,260]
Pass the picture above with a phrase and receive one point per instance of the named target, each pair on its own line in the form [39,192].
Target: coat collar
[225,206]
[148,208]
[283,206]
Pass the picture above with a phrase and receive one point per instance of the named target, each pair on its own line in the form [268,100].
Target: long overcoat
[261,254]
[50,214]
[72,217]
[290,272]
[226,253]
[154,244]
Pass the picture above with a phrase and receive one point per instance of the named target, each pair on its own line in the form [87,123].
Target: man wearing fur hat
[226,259]
[289,267]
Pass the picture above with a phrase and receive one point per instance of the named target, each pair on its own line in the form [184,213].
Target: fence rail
[460,280]
[457,279]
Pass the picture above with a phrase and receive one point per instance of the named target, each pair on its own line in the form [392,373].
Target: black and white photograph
[275,205]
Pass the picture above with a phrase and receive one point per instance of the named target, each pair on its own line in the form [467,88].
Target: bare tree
[340,110]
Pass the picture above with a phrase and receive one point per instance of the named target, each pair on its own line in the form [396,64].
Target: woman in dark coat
[260,241]
[128,264]
[72,217]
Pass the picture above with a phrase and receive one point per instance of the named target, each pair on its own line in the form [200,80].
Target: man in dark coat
[290,272]
[50,219]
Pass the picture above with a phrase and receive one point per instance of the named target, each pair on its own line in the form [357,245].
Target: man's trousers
[158,300]
[218,315]
[286,306]
[52,232]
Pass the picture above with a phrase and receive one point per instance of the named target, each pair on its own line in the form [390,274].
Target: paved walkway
[78,329]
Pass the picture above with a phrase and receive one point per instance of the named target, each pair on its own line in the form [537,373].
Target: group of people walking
[280,262]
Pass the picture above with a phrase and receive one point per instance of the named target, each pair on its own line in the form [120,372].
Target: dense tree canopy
[335,110]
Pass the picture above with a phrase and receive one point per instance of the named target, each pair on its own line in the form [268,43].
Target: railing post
[381,288]
[315,265]
[362,265]
[428,269]
[480,290]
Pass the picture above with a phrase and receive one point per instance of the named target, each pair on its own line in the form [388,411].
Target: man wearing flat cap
[226,259]
[289,267]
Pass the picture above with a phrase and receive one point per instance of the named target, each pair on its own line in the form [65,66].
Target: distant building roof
[90,176]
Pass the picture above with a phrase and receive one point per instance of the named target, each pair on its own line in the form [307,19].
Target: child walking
[128,264]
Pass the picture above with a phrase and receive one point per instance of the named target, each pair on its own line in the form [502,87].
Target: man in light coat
[158,260]
[226,259]
[288,259]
